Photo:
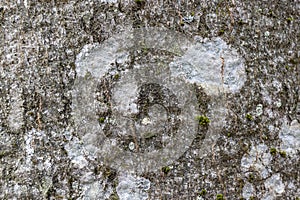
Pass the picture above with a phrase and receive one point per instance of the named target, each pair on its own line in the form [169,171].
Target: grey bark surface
[52,147]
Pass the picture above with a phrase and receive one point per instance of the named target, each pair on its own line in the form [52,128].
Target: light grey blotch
[274,186]
[212,64]
[15,117]
[248,190]
[290,137]
[259,110]
[133,188]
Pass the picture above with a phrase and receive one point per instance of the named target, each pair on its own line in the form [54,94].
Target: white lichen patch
[278,103]
[15,117]
[146,121]
[89,62]
[29,150]
[109,1]
[274,186]
[259,110]
[290,137]
[133,188]
[131,146]
[124,96]
[258,159]
[212,64]
[248,190]
[95,190]
[76,153]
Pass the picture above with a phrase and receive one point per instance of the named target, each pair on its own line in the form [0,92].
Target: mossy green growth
[282,153]
[241,22]
[220,197]
[149,135]
[114,197]
[138,1]
[221,32]
[203,120]
[116,76]
[251,178]
[289,19]
[287,67]
[203,192]
[3,153]
[249,117]
[273,151]
[166,169]
[101,120]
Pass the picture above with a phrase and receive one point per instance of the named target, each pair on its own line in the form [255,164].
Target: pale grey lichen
[124,96]
[95,190]
[76,153]
[109,1]
[290,137]
[15,117]
[131,146]
[257,159]
[188,19]
[133,188]
[267,34]
[213,64]
[248,190]
[259,110]
[278,103]
[274,186]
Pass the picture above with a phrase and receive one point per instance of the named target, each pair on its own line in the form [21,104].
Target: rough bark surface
[251,133]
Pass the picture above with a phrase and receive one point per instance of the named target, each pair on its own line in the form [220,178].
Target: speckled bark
[255,154]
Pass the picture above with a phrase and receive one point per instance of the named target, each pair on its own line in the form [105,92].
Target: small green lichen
[3,153]
[251,198]
[241,22]
[145,49]
[287,67]
[220,197]
[264,137]
[101,120]
[273,151]
[271,14]
[249,117]
[166,169]
[114,197]
[289,19]
[203,192]
[138,1]
[203,120]
[149,135]
[282,153]
[221,32]
[251,178]
[116,76]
